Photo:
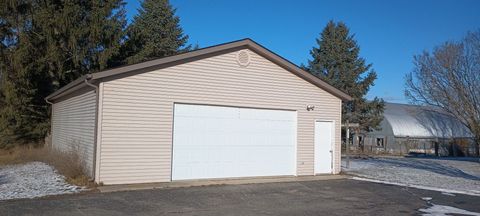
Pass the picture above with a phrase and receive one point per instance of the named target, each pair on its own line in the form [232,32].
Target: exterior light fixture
[310,107]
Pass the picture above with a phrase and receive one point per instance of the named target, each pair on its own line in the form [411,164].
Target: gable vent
[243,58]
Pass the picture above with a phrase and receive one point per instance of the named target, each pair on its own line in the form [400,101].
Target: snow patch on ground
[446,192]
[442,210]
[30,180]
[446,175]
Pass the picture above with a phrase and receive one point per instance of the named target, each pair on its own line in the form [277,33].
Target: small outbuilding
[231,110]
[417,129]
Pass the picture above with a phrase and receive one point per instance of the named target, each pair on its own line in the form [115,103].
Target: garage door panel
[231,162]
[265,114]
[238,142]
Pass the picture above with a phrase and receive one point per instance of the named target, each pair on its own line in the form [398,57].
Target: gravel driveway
[449,174]
[32,180]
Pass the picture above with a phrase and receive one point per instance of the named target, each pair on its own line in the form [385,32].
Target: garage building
[227,111]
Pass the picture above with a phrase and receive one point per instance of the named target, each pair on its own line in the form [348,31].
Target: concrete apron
[207,182]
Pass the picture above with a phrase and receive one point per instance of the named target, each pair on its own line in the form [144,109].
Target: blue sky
[388,32]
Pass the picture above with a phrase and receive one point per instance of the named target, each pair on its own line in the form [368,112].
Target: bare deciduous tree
[449,78]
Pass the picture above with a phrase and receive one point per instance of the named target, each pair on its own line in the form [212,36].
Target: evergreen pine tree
[18,119]
[155,32]
[45,45]
[337,61]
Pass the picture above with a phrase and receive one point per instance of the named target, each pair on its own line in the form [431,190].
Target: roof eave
[69,88]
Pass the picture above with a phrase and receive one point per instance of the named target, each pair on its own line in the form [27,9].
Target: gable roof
[196,55]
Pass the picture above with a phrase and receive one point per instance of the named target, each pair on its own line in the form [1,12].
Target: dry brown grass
[68,164]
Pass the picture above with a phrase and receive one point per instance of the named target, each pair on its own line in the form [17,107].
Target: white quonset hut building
[232,110]
[418,129]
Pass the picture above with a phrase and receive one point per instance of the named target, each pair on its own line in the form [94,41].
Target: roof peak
[206,52]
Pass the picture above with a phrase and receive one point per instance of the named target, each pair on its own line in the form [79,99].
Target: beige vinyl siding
[137,111]
[73,126]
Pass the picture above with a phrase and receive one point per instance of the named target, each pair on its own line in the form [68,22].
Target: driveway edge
[209,182]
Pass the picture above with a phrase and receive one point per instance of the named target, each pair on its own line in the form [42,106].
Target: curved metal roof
[423,122]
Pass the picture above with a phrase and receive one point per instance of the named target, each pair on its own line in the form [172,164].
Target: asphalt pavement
[326,197]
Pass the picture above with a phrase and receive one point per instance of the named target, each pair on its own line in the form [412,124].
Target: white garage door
[223,142]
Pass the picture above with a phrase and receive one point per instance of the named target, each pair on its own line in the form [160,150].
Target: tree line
[45,44]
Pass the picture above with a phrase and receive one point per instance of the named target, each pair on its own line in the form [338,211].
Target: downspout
[48,102]
[51,116]
[87,78]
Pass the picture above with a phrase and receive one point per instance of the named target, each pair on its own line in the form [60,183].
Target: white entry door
[224,142]
[324,140]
